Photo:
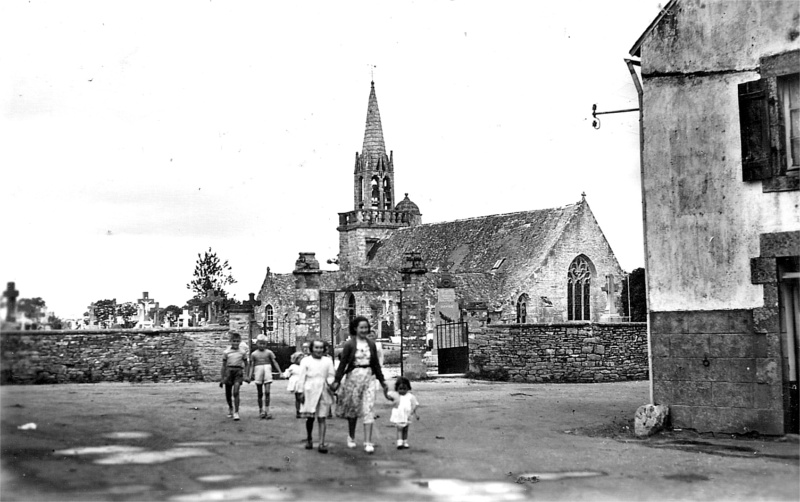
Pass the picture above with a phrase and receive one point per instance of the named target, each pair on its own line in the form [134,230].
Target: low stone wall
[568,352]
[165,355]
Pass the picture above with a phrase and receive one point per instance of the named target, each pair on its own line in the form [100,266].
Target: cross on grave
[156,315]
[144,301]
[609,289]
[210,299]
[184,318]
[92,316]
[11,295]
[195,315]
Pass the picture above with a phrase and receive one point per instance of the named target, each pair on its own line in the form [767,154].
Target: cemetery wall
[62,356]
[566,352]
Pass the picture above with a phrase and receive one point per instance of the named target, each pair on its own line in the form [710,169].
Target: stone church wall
[169,355]
[582,236]
[567,352]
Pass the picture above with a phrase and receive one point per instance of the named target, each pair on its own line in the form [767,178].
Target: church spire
[374,147]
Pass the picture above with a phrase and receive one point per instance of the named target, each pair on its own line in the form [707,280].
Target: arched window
[387,194]
[579,278]
[522,309]
[269,317]
[375,191]
[351,307]
[360,189]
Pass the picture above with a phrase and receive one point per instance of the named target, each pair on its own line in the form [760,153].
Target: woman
[359,367]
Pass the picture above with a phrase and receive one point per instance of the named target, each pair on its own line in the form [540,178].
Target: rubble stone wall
[568,352]
[168,355]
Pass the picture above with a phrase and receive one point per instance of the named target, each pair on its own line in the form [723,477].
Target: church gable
[493,244]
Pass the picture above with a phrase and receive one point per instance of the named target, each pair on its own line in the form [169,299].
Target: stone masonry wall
[170,355]
[568,352]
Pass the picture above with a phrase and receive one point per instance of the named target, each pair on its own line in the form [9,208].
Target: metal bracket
[595,113]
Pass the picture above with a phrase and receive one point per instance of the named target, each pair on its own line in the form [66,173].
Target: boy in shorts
[234,367]
[263,362]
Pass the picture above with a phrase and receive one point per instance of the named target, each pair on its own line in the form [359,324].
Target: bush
[391,357]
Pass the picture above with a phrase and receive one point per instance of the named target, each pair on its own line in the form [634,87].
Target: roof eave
[636,50]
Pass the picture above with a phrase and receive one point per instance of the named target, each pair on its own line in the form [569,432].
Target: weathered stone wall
[567,352]
[581,236]
[353,245]
[169,355]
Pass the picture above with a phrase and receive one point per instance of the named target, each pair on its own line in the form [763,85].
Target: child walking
[234,367]
[293,374]
[262,363]
[405,406]
[316,374]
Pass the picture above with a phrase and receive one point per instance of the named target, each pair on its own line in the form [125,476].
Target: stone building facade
[546,265]
[721,112]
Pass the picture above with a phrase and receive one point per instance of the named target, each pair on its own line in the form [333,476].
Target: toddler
[405,406]
[293,374]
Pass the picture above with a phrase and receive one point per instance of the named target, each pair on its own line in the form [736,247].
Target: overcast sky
[134,135]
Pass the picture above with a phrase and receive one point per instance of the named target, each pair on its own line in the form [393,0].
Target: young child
[316,374]
[293,374]
[405,406]
[262,362]
[234,367]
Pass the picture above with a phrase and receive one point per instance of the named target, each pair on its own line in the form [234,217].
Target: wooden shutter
[754,125]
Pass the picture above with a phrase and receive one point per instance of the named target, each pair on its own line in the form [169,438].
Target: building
[721,152]
[545,265]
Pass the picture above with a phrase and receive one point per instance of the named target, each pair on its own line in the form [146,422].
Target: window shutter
[754,125]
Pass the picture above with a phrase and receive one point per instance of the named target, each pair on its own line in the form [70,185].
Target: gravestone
[610,314]
[92,316]
[10,322]
[211,300]
[184,318]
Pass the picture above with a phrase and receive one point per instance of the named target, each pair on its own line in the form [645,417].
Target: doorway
[789,307]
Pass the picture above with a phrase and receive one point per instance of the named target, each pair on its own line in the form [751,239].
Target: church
[539,266]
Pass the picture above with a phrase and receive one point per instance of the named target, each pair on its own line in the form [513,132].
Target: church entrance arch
[383,308]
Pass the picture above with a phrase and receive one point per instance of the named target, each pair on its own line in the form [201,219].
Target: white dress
[293,374]
[402,408]
[315,375]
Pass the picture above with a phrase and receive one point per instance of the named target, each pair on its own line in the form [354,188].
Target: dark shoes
[309,445]
[322,448]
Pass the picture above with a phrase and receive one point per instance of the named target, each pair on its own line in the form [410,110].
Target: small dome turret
[407,206]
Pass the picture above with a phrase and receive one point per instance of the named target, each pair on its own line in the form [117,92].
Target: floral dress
[357,395]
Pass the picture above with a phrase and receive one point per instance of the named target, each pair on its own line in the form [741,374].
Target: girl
[405,406]
[361,367]
[315,373]
[293,374]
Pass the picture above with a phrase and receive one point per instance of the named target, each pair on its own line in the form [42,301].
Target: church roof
[407,206]
[374,146]
[495,243]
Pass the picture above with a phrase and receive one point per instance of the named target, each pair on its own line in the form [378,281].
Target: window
[387,194]
[522,309]
[769,121]
[579,278]
[360,189]
[351,307]
[270,318]
[375,191]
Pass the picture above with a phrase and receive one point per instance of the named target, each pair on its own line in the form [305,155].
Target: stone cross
[92,316]
[184,318]
[144,302]
[156,313]
[211,299]
[610,290]
[196,315]
[11,295]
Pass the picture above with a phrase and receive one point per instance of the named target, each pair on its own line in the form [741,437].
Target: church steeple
[373,186]
[374,147]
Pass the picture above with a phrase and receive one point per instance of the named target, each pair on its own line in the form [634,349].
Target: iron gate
[277,342]
[452,341]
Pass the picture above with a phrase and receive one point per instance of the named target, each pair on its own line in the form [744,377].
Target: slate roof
[475,245]
[374,147]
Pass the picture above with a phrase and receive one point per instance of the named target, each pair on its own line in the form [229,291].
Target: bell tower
[374,216]
[373,179]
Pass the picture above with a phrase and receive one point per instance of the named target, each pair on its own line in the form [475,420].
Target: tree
[210,273]
[638,302]
[33,308]
[55,322]
[127,311]
[105,312]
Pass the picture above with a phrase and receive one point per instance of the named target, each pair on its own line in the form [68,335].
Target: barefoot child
[405,406]
[316,372]
[234,367]
[293,374]
[262,362]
